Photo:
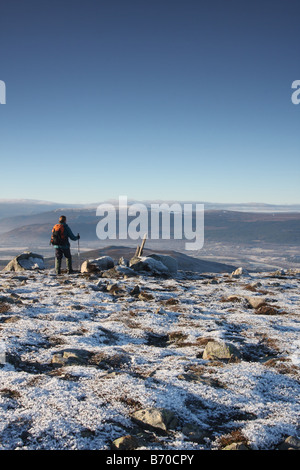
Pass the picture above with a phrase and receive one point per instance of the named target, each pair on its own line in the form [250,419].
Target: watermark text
[158,221]
[296,94]
[2,92]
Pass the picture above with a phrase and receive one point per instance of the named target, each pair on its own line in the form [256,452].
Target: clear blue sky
[184,100]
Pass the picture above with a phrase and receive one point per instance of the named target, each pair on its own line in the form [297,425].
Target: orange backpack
[58,236]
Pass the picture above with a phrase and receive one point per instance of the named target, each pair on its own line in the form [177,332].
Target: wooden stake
[142,245]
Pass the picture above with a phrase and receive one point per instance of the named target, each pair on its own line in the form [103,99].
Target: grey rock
[220,350]
[239,272]
[127,442]
[26,261]
[170,263]
[256,302]
[290,443]
[71,357]
[194,432]
[158,418]
[236,446]
[123,262]
[149,265]
[97,265]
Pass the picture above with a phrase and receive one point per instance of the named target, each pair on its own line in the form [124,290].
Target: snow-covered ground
[132,352]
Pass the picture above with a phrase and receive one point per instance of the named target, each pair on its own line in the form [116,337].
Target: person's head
[62,219]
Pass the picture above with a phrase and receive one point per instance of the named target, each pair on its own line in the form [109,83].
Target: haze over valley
[256,236]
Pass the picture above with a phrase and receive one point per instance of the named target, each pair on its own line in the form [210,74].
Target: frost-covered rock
[256,302]
[97,265]
[26,261]
[240,272]
[149,265]
[170,262]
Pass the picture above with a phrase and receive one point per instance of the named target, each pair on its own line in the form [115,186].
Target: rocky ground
[140,362]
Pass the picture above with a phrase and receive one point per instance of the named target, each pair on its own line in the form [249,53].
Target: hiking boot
[69,266]
[57,266]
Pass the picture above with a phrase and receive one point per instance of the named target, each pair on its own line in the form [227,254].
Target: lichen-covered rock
[158,418]
[219,350]
[71,357]
[127,442]
[236,446]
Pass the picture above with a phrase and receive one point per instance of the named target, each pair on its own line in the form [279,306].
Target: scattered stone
[135,291]
[267,310]
[217,350]
[256,302]
[198,377]
[145,296]
[114,288]
[171,301]
[239,272]
[75,307]
[25,261]
[10,300]
[279,273]
[12,319]
[232,298]
[236,446]
[106,362]
[157,418]
[127,442]
[290,443]
[160,311]
[71,357]
[4,307]
[159,341]
[194,433]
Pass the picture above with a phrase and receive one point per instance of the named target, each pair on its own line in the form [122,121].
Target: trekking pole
[78,250]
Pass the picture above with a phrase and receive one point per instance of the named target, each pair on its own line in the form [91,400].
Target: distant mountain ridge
[22,207]
[219,226]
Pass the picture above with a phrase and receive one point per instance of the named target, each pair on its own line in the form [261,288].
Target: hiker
[60,240]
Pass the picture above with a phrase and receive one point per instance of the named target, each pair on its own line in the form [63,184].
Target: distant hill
[220,226]
[16,207]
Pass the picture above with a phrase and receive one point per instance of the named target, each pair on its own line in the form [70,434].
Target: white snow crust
[85,406]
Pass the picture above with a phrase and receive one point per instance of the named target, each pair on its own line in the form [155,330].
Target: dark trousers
[59,253]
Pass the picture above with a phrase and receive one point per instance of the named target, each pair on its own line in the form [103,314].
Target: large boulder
[170,262]
[26,261]
[149,265]
[96,265]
